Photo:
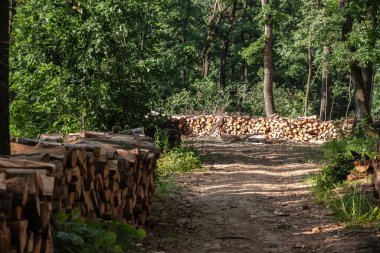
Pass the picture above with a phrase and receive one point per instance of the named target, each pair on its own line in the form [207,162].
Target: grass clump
[355,206]
[165,187]
[180,159]
[175,159]
[349,202]
[74,235]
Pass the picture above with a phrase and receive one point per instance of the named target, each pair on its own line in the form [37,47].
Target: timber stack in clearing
[304,129]
[364,166]
[105,176]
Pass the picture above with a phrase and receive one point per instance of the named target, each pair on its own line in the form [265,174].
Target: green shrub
[206,96]
[161,139]
[338,162]
[344,146]
[78,236]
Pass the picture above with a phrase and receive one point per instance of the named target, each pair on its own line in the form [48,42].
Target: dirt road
[250,198]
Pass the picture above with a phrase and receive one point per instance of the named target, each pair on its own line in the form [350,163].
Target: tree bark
[362,105]
[367,73]
[309,75]
[325,96]
[268,62]
[4,78]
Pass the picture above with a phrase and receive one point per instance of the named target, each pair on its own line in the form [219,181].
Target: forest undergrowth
[182,158]
[75,235]
[351,202]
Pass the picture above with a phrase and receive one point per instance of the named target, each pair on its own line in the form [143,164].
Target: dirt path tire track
[250,198]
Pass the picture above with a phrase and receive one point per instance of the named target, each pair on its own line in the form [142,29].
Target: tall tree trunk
[363,113]
[325,96]
[368,70]
[268,62]
[309,75]
[244,65]
[4,78]
[362,105]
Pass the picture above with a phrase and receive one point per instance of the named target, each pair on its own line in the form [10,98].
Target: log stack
[365,166]
[26,189]
[110,177]
[305,129]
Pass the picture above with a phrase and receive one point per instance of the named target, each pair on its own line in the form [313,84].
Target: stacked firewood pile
[300,129]
[104,176]
[26,190]
[364,167]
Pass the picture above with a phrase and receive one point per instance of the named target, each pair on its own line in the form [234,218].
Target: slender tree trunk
[268,62]
[223,63]
[245,71]
[325,96]
[206,53]
[226,46]
[206,64]
[4,78]
[212,26]
[309,75]
[185,25]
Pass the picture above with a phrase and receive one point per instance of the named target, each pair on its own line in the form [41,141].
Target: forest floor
[250,198]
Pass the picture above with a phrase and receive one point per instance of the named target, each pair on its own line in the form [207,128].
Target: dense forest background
[94,64]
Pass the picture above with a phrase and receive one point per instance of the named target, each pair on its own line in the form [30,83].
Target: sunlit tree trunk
[268,62]
[185,28]
[4,78]
[325,95]
[244,67]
